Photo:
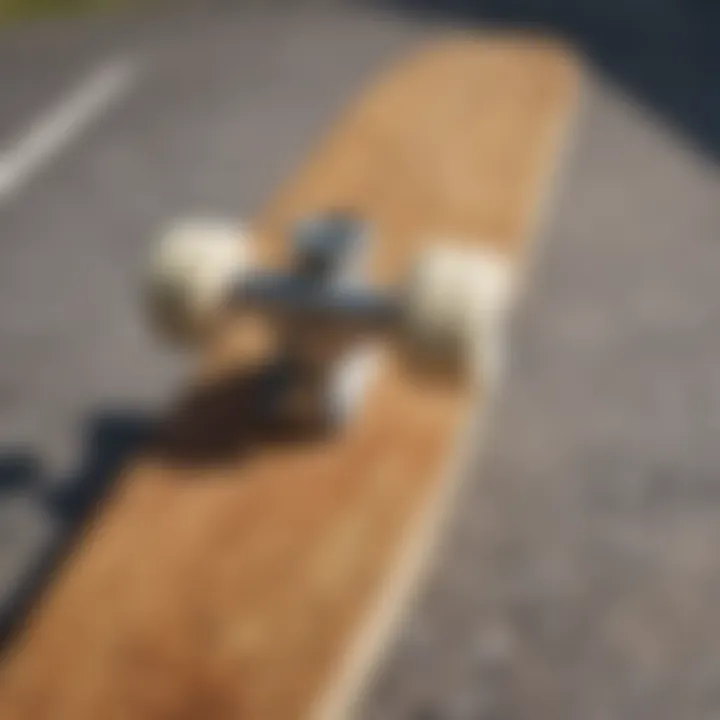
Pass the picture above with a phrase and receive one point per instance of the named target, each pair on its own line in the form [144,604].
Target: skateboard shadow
[665,54]
[208,426]
[238,414]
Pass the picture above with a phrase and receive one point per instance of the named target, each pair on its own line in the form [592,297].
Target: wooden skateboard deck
[231,576]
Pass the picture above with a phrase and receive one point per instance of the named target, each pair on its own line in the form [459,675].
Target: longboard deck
[231,577]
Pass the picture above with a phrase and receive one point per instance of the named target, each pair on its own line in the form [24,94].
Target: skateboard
[255,559]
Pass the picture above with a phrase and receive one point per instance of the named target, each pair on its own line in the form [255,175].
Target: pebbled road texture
[580,576]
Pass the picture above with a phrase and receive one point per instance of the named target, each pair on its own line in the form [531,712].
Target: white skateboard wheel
[457,310]
[192,269]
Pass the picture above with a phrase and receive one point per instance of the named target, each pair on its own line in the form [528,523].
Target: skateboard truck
[328,247]
[448,314]
[326,289]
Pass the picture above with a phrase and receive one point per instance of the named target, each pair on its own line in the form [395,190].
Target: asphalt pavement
[579,578]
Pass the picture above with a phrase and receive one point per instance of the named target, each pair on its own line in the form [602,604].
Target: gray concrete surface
[579,576]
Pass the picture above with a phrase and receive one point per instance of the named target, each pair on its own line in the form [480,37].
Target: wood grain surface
[244,571]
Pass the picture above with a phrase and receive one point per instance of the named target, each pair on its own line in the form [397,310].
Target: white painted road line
[50,134]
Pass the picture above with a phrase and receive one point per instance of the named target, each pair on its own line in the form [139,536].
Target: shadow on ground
[663,53]
[111,438]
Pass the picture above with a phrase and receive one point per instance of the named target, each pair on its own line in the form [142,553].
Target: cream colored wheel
[457,308]
[192,269]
